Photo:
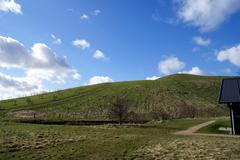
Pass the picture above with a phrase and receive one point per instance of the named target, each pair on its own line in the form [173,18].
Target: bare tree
[119,110]
[132,117]
[187,110]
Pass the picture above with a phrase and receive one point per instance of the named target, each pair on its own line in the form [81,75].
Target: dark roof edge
[226,102]
[238,77]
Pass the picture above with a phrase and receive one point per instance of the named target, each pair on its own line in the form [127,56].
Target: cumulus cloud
[231,54]
[11,86]
[170,65]
[201,41]
[84,17]
[99,55]
[40,57]
[56,40]
[99,79]
[19,84]
[152,78]
[81,43]
[84,44]
[39,63]
[10,6]
[194,71]
[207,15]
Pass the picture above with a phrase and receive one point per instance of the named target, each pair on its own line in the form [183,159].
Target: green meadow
[75,123]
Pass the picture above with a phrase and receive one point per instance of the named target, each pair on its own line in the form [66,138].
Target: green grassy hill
[177,96]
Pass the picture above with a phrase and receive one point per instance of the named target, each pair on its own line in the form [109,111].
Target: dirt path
[193,129]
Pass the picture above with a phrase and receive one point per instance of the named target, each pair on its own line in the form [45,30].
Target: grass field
[152,140]
[74,123]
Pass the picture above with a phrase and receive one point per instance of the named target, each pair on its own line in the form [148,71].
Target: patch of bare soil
[27,114]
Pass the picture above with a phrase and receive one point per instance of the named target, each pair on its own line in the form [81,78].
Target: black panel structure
[230,95]
[230,91]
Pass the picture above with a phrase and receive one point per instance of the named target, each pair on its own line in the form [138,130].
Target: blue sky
[83,42]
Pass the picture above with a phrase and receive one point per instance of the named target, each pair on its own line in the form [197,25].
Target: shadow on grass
[80,122]
[60,122]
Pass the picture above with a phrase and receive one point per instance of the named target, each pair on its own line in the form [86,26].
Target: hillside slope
[177,96]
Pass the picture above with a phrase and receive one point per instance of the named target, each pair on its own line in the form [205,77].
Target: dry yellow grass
[193,148]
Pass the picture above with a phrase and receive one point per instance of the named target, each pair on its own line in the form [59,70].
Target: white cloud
[39,64]
[96,12]
[152,78]
[194,71]
[170,65]
[84,17]
[56,40]
[207,15]
[10,6]
[76,76]
[99,79]
[87,16]
[18,86]
[98,54]
[231,54]
[81,43]
[201,41]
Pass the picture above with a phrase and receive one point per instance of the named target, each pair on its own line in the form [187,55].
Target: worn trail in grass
[192,130]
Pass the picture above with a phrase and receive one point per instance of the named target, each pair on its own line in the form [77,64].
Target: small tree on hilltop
[119,110]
